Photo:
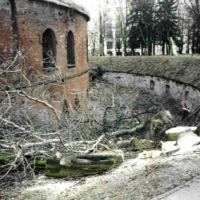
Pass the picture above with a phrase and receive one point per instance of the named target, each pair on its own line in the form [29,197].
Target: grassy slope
[184,69]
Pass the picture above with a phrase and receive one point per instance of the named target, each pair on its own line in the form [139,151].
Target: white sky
[92,6]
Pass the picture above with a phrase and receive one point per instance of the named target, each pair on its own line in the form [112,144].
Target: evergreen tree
[141,21]
[167,27]
[179,38]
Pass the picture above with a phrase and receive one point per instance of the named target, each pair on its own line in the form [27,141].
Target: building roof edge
[69,5]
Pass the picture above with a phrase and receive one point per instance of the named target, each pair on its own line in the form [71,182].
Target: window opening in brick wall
[186,95]
[167,89]
[70,50]
[152,85]
[49,50]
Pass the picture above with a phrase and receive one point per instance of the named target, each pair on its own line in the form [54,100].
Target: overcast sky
[90,5]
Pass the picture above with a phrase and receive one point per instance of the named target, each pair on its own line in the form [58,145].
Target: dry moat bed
[138,179]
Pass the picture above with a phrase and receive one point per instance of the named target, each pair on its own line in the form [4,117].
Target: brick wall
[6,46]
[32,18]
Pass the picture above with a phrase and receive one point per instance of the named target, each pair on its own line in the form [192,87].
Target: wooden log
[39,164]
[102,155]
[79,167]
[82,165]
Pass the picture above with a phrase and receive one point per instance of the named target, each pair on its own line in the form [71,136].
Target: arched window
[70,50]
[49,49]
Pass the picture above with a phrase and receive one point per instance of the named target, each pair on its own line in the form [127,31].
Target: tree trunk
[170,46]
[82,165]
[163,48]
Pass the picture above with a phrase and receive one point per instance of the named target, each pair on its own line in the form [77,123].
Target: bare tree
[121,21]
[102,28]
[192,6]
[93,40]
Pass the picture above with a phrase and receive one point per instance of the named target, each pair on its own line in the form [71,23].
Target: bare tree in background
[121,13]
[102,28]
[93,40]
[193,9]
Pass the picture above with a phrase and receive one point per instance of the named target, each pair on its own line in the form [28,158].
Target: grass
[184,68]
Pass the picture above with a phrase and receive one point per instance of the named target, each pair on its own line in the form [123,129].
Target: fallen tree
[86,162]
[68,166]
[38,156]
[111,116]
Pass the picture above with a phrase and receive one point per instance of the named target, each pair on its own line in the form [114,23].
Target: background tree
[93,40]
[118,40]
[142,20]
[102,28]
[121,13]
[135,39]
[189,33]
[179,38]
[167,26]
[193,9]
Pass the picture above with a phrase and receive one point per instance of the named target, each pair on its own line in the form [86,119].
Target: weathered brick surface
[33,17]
[6,47]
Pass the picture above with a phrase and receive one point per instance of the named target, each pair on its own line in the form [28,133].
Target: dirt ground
[135,179]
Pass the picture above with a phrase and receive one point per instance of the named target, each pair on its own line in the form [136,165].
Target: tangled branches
[29,135]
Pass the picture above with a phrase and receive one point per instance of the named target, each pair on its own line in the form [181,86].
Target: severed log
[79,167]
[39,164]
[117,155]
[82,165]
